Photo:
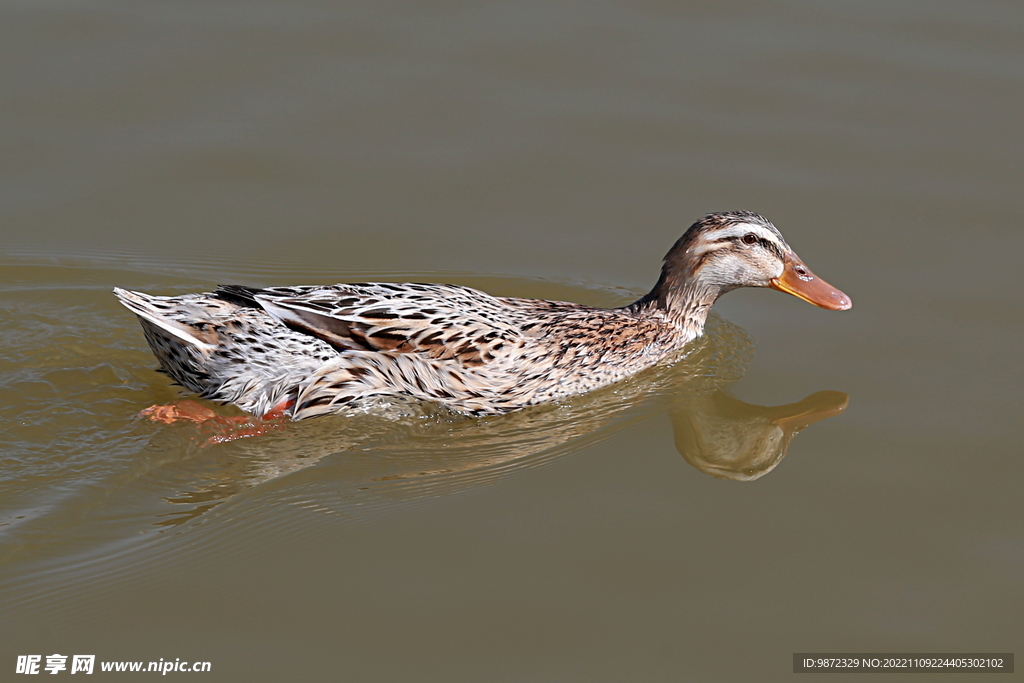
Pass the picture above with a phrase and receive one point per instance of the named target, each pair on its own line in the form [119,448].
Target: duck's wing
[438,321]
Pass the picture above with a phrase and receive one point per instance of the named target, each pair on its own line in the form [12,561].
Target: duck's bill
[798,280]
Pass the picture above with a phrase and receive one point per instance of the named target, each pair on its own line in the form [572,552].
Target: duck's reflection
[729,439]
[401,453]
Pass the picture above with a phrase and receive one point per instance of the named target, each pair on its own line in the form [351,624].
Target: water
[668,528]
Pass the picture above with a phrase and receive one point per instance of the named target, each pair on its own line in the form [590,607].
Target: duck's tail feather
[146,307]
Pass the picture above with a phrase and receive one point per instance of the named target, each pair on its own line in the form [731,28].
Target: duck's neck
[684,299]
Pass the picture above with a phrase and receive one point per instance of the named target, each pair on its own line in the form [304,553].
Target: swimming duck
[307,351]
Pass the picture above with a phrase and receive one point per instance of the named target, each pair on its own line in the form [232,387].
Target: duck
[306,351]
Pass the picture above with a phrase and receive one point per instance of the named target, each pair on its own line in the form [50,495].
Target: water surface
[668,528]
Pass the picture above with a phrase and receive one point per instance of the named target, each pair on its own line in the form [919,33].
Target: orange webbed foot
[224,428]
[185,410]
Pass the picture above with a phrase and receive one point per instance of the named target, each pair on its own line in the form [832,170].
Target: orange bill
[798,280]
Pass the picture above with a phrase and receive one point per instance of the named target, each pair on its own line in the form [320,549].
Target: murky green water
[668,528]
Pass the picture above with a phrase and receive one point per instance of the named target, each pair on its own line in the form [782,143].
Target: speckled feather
[322,347]
[312,350]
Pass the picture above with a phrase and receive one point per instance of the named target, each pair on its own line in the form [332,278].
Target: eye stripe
[716,239]
[771,246]
[761,241]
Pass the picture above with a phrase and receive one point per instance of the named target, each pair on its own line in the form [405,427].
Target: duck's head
[723,251]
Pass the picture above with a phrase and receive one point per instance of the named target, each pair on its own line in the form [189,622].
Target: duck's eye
[750,238]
